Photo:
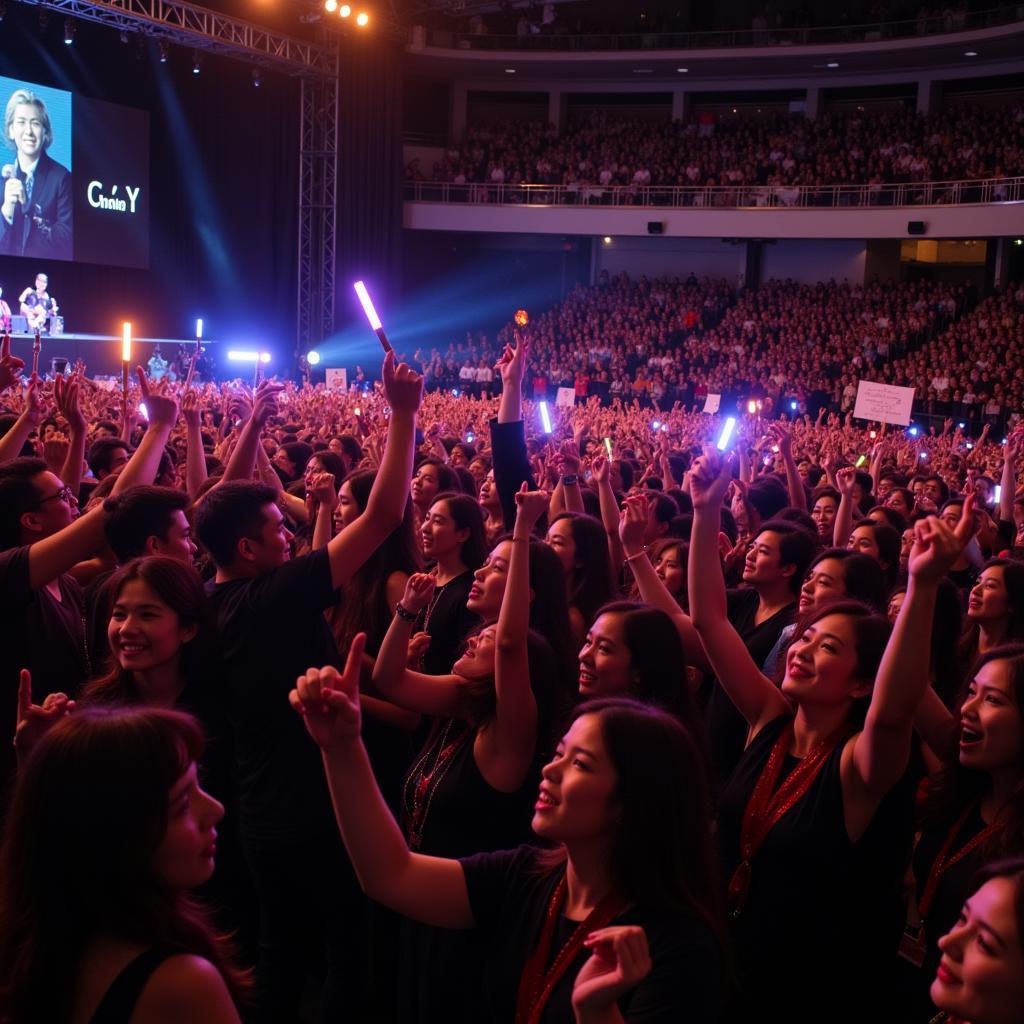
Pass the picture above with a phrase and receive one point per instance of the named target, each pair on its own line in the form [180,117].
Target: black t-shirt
[727,728]
[272,629]
[509,896]
[448,622]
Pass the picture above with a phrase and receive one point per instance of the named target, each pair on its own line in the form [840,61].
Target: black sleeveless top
[118,1004]
[821,909]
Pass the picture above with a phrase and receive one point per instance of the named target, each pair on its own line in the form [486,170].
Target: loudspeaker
[655,227]
[916,227]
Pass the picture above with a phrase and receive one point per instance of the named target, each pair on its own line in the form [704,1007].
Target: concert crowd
[464,703]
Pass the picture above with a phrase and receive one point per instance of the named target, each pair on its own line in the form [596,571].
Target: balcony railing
[723,197]
[795,35]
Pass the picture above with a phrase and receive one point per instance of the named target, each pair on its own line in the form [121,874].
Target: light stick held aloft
[371,315]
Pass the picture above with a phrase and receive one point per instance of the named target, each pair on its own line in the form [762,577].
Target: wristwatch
[571,480]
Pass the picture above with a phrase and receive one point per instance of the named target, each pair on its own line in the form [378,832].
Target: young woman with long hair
[814,823]
[490,502]
[617,921]
[108,832]
[581,544]
[995,609]
[432,478]
[452,538]
[469,788]
[975,805]
[980,978]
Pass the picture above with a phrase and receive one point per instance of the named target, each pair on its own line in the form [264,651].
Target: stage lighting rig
[69,31]
[256,80]
[196,62]
[164,50]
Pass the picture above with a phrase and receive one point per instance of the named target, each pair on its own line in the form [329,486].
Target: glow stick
[37,347]
[608,446]
[999,492]
[195,355]
[126,356]
[860,461]
[545,418]
[723,440]
[371,315]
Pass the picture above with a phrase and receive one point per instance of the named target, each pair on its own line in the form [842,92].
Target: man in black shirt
[270,611]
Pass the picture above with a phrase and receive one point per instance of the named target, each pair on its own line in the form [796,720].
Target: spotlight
[607,239]
[164,50]
[313,357]
[256,78]
[196,65]
[345,10]
[243,356]
[362,19]
[330,6]
[69,31]
[264,357]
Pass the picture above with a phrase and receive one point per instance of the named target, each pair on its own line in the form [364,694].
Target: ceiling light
[682,71]
[607,239]
[970,53]
[362,19]
[330,6]
[256,78]
[69,31]
[345,10]
[164,50]
[196,67]
[832,64]
[510,71]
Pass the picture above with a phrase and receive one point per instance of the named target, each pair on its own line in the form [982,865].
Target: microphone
[10,171]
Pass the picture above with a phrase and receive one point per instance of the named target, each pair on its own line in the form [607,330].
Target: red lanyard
[943,862]
[536,983]
[768,805]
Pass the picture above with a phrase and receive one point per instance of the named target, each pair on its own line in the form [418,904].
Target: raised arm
[781,435]
[511,367]
[65,395]
[652,590]
[1008,480]
[32,415]
[195,455]
[325,495]
[508,745]
[428,889]
[385,507]
[609,513]
[416,691]
[243,458]
[881,750]
[846,478]
[755,696]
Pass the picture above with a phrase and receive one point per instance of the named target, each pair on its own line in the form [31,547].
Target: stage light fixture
[345,10]
[164,50]
[330,6]
[313,357]
[970,53]
[264,357]
[362,19]
[243,356]
[256,78]
[607,239]
[69,31]
[832,65]
[196,65]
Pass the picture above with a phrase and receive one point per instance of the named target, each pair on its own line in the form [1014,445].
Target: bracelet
[570,480]
[639,554]
[404,613]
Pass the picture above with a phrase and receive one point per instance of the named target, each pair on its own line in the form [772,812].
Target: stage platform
[101,353]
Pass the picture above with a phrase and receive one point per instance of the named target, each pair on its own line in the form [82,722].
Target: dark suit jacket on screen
[51,201]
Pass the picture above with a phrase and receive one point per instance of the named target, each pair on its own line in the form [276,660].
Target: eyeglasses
[65,494]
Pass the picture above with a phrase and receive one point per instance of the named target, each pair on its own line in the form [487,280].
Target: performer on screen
[5,312]
[37,305]
[35,215]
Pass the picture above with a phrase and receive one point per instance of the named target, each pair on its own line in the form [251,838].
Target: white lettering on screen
[112,202]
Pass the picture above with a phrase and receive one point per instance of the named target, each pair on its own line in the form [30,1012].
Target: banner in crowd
[883,403]
[336,378]
[712,404]
[566,398]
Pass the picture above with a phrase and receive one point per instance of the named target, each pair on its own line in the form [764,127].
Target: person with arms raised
[270,608]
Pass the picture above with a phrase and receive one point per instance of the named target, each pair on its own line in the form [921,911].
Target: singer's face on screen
[27,131]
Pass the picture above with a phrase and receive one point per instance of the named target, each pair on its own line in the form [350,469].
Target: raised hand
[937,546]
[35,720]
[620,960]
[846,479]
[190,409]
[530,506]
[602,469]
[417,647]
[710,476]
[10,366]
[419,588]
[65,395]
[782,435]
[162,407]
[403,387]
[265,402]
[329,702]
[633,523]
[569,454]
[321,488]
[35,404]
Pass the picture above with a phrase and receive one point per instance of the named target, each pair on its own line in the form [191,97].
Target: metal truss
[318,179]
[190,25]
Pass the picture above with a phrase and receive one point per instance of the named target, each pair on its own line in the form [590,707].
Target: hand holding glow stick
[371,315]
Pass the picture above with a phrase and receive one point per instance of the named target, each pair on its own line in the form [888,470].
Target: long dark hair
[178,587]
[467,515]
[657,661]
[364,598]
[863,577]
[954,787]
[90,810]
[661,852]
[1013,581]
[590,584]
